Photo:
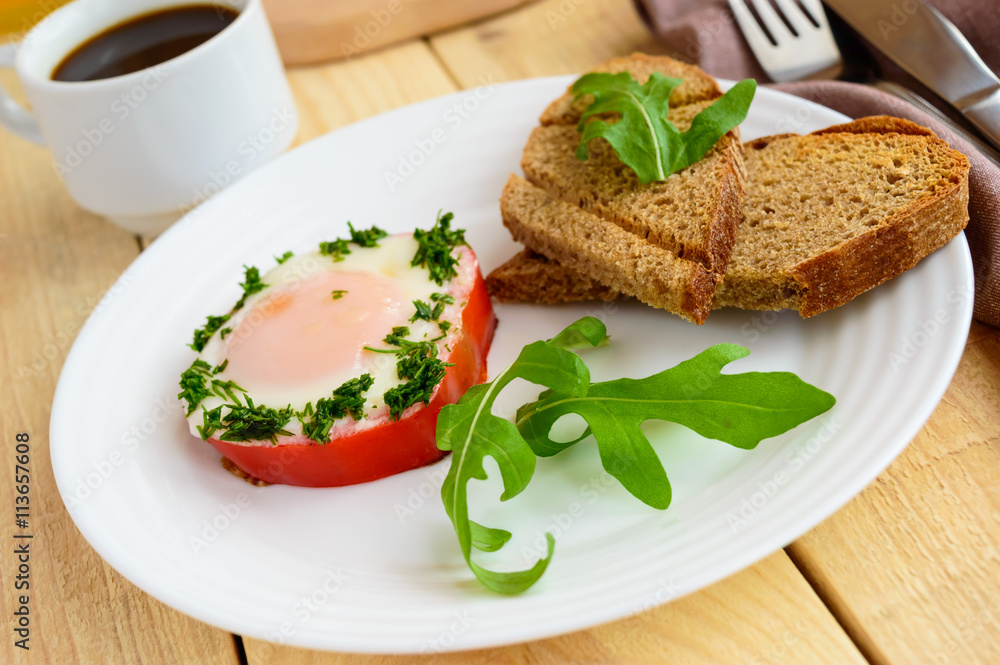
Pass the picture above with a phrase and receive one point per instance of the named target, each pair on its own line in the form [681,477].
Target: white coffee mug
[143,148]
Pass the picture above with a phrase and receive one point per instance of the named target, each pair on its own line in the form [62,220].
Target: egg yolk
[313,329]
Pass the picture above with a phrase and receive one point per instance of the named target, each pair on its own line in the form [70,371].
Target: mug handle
[13,116]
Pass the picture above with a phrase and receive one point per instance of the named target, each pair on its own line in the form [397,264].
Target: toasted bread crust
[893,243]
[727,210]
[602,251]
[877,124]
[838,276]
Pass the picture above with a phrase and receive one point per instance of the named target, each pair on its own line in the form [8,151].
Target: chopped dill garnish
[203,334]
[434,249]
[337,295]
[445,326]
[417,365]
[225,331]
[442,297]
[426,312]
[366,238]
[194,384]
[336,249]
[284,257]
[346,399]
[227,390]
[246,423]
[422,374]
[251,285]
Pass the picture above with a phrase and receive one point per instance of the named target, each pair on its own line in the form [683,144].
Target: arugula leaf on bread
[643,137]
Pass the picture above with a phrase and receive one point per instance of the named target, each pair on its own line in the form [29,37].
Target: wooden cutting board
[311,31]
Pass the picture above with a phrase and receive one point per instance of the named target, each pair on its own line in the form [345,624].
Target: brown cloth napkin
[704,32]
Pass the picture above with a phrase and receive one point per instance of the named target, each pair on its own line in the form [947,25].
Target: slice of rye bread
[605,252]
[830,215]
[530,277]
[694,213]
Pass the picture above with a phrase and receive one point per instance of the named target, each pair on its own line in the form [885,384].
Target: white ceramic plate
[376,568]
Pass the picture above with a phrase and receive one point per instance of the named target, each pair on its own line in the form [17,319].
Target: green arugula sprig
[471,431]
[643,137]
[739,409]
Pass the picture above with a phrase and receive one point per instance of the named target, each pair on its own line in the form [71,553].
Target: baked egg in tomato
[332,367]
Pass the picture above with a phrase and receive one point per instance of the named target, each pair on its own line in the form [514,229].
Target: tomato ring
[387,448]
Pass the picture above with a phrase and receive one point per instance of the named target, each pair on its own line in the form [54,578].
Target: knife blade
[929,47]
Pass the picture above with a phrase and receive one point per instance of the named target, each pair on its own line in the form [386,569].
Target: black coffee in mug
[143,41]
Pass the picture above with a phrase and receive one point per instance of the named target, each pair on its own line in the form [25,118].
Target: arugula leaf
[471,431]
[643,138]
[739,409]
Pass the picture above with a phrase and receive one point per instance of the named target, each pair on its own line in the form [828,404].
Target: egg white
[391,258]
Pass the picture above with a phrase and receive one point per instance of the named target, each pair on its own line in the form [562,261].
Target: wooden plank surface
[912,565]
[332,96]
[765,614]
[544,39]
[314,31]
[57,261]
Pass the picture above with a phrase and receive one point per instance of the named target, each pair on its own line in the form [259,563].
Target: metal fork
[790,46]
[812,53]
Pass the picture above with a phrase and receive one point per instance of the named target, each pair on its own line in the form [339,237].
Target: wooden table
[907,573]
